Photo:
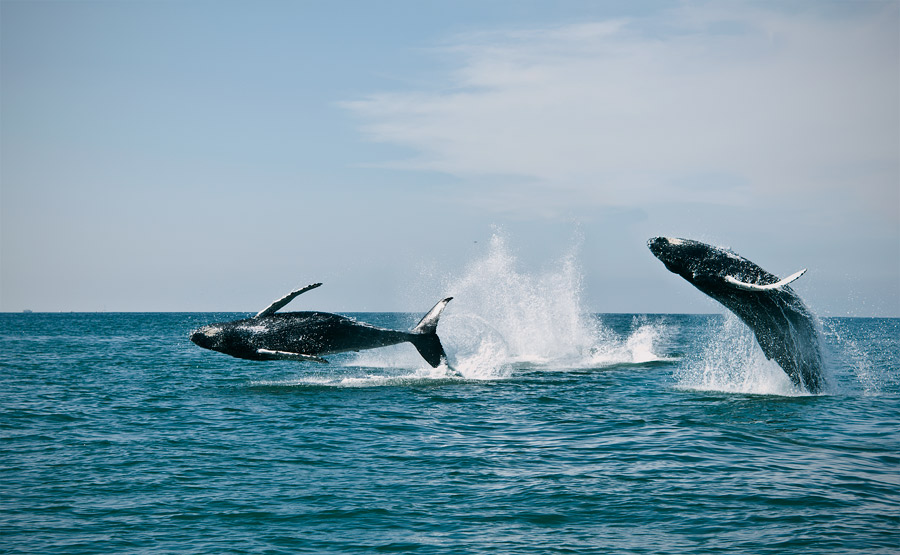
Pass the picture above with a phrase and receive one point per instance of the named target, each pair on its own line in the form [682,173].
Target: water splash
[867,371]
[732,361]
[503,319]
[356,376]
[641,346]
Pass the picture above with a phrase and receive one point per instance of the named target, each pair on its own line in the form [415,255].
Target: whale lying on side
[784,328]
[308,336]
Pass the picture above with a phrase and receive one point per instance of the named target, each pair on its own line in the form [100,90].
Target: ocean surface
[552,430]
[578,434]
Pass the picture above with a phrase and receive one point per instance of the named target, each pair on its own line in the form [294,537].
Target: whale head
[704,266]
[209,337]
[684,257]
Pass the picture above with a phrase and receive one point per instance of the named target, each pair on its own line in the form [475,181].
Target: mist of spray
[503,319]
[732,361]
[868,370]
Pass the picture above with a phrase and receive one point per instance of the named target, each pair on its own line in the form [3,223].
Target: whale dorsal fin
[274,307]
[756,287]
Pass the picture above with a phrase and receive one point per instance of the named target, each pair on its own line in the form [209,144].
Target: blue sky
[162,155]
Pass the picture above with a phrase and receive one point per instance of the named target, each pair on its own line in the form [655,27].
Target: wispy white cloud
[629,111]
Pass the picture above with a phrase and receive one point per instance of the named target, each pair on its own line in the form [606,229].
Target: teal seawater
[120,436]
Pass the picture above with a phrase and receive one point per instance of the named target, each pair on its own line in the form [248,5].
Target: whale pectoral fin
[287,355]
[756,287]
[272,308]
[791,278]
[747,286]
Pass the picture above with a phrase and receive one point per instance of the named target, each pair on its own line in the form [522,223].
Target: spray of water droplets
[504,319]
[731,361]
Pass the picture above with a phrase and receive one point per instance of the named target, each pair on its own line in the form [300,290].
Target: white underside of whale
[287,355]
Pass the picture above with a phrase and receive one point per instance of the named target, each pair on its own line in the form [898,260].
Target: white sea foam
[640,347]
[369,376]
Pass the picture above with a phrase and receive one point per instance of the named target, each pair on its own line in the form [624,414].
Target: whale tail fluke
[429,346]
[424,336]
[428,324]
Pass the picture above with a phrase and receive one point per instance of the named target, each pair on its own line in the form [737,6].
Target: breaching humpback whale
[311,335]
[784,328]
